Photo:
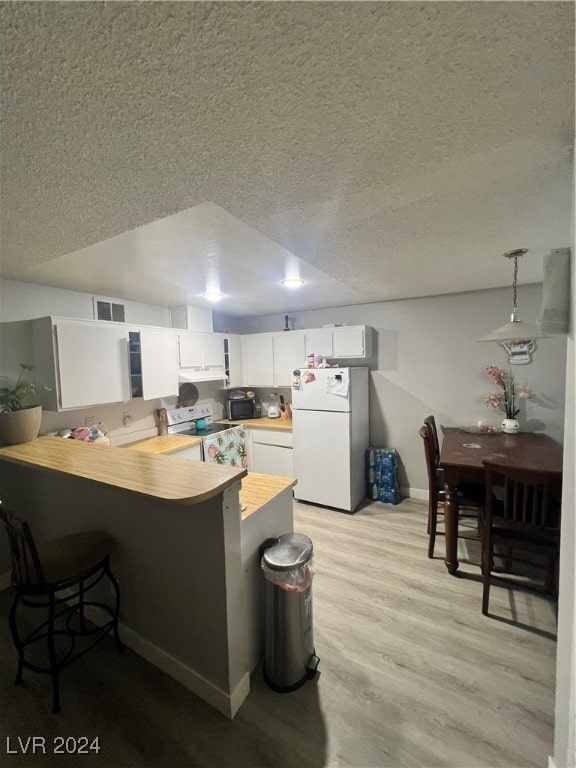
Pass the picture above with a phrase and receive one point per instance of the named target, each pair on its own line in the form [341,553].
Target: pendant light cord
[515,280]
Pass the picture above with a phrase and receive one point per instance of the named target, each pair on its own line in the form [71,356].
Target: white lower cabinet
[194,453]
[271,452]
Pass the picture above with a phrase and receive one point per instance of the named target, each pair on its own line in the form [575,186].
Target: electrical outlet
[89,421]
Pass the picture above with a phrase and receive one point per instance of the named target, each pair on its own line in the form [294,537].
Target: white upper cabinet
[89,362]
[352,341]
[191,345]
[80,363]
[233,361]
[213,344]
[319,341]
[201,353]
[288,351]
[257,360]
[159,357]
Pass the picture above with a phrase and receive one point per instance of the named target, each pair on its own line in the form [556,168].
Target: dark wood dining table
[462,456]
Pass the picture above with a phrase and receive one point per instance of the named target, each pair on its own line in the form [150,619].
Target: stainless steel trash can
[289,655]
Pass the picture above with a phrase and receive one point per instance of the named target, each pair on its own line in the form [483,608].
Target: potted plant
[19,423]
[507,400]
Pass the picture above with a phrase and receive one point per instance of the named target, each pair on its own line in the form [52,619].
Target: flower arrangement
[506,400]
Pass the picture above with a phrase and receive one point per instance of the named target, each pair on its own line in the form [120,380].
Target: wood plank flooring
[411,673]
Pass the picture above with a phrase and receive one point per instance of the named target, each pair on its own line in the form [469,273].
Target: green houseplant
[19,423]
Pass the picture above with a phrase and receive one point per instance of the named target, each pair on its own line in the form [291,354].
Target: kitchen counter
[284,425]
[156,476]
[164,444]
[258,490]
[184,555]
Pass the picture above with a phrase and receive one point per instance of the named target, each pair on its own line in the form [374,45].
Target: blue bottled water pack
[381,482]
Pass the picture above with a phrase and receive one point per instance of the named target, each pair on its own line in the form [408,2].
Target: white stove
[184,420]
[198,420]
[194,420]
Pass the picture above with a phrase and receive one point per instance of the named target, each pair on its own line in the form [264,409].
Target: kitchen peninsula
[186,561]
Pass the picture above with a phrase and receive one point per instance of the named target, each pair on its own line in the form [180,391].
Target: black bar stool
[55,577]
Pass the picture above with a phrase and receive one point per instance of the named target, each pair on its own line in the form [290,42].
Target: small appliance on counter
[242,405]
[273,407]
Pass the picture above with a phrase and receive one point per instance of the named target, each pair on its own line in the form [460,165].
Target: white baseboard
[227,704]
[414,493]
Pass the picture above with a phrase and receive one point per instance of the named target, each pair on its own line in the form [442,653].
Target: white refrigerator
[330,435]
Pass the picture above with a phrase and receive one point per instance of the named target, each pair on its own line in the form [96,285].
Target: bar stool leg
[117,608]
[52,655]
[16,639]
[81,607]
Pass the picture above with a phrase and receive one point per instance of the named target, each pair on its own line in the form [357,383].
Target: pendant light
[515,330]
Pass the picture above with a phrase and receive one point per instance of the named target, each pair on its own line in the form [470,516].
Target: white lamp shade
[514,331]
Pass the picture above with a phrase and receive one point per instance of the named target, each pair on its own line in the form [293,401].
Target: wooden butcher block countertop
[164,444]
[284,425]
[258,490]
[163,477]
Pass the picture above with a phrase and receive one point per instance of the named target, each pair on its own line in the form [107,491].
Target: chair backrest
[428,439]
[26,568]
[430,421]
[525,497]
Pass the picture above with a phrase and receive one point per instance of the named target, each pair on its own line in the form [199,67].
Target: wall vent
[108,310]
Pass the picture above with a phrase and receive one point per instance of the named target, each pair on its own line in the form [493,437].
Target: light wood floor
[411,673]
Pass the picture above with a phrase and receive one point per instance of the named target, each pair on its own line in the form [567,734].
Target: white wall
[565,720]
[427,360]
[25,301]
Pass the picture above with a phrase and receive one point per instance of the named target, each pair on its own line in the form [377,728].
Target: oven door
[229,447]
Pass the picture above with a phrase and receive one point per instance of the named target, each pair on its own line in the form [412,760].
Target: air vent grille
[108,310]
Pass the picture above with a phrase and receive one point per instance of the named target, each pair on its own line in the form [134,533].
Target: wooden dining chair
[522,512]
[430,421]
[470,497]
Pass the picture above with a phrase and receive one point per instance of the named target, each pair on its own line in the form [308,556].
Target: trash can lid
[292,551]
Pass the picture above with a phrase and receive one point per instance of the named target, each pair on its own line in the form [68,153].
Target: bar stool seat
[55,577]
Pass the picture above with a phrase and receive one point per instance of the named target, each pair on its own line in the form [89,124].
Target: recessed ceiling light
[292,282]
[213,295]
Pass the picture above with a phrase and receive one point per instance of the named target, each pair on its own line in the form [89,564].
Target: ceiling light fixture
[292,282]
[213,295]
[515,330]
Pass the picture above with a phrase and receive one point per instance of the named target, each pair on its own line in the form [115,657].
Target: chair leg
[52,655]
[432,523]
[16,639]
[117,608]
[486,568]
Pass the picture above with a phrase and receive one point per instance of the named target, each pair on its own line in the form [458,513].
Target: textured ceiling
[398,148]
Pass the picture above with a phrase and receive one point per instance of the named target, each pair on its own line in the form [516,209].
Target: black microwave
[242,408]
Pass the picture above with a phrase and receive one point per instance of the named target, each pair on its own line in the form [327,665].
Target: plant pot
[510,426]
[20,426]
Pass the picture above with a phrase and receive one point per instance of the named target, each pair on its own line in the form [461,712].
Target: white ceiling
[381,150]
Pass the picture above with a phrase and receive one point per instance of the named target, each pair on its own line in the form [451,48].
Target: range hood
[201,374]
